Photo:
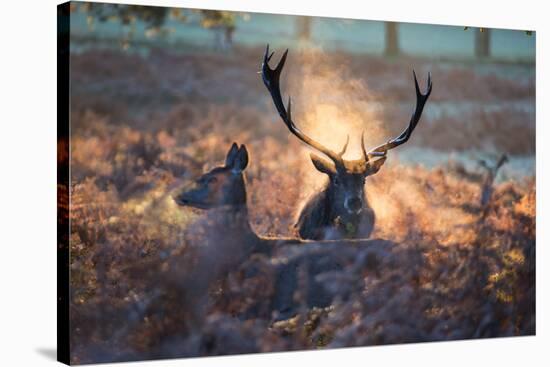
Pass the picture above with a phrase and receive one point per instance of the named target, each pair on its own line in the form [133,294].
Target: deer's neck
[233,221]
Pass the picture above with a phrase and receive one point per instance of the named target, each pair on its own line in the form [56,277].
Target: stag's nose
[353,204]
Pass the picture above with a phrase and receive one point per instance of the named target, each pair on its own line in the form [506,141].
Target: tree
[303,28]
[223,23]
[392,42]
[483,43]
[154,18]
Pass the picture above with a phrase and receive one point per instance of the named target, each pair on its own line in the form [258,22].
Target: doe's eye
[212,180]
[336,180]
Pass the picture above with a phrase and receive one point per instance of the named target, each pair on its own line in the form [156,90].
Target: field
[144,126]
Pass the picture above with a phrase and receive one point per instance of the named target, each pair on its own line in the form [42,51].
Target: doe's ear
[322,165]
[374,166]
[231,154]
[241,160]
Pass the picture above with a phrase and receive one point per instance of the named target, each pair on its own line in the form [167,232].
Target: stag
[223,191]
[340,209]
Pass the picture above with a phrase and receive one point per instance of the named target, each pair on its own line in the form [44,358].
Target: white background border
[28,181]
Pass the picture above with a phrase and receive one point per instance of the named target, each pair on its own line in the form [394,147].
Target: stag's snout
[353,204]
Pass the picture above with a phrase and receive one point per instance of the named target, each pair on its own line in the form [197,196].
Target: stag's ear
[322,165]
[241,160]
[374,166]
[231,154]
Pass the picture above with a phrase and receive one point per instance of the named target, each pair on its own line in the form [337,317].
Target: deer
[222,190]
[340,209]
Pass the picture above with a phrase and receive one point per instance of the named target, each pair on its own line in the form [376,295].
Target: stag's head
[347,177]
[222,186]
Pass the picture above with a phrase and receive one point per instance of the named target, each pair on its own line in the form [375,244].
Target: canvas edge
[63,208]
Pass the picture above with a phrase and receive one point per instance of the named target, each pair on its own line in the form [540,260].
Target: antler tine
[271,78]
[421,100]
[341,153]
[365,154]
[267,56]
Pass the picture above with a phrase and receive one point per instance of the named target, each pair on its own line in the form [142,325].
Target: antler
[421,99]
[271,81]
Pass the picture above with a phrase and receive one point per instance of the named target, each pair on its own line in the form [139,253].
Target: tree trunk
[483,44]
[303,28]
[392,42]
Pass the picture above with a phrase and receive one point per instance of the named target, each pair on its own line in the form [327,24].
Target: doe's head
[221,186]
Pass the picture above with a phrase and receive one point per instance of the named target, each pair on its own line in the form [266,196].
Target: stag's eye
[336,180]
[212,180]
